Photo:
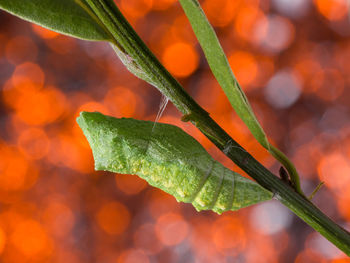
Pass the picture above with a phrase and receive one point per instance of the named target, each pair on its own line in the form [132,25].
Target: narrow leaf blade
[169,159]
[69,17]
[221,69]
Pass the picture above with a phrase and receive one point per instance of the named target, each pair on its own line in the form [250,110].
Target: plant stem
[128,39]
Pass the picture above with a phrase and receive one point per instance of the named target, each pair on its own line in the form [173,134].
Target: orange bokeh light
[341,260]
[221,12]
[229,234]
[31,240]
[246,23]
[133,256]
[161,203]
[58,219]
[343,200]
[66,151]
[180,31]
[310,257]
[171,229]
[3,240]
[20,49]
[61,44]
[181,59]
[162,4]
[307,68]
[201,237]
[13,169]
[146,239]
[332,9]
[123,102]
[43,32]
[244,66]
[34,143]
[92,106]
[333,169]
[28,72]
[134,9]
[46,105]
[113,218]
[328,84]
[130,184]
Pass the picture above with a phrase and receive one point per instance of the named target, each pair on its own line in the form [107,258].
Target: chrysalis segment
[207,196]
[189,186]
[225,198]
[169,159]
[244,197]
[202,181]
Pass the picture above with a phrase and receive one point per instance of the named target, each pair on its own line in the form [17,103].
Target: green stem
[127,38]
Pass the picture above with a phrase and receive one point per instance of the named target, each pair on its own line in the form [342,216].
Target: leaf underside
[69,17]
[169,159]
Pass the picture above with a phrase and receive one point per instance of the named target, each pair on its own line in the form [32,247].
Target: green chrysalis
[169,159]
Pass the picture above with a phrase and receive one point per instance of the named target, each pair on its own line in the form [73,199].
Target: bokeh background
[292,59]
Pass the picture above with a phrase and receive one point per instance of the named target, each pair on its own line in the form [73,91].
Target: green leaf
[222,71]
[70,17]
[221,68]
[169,159]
